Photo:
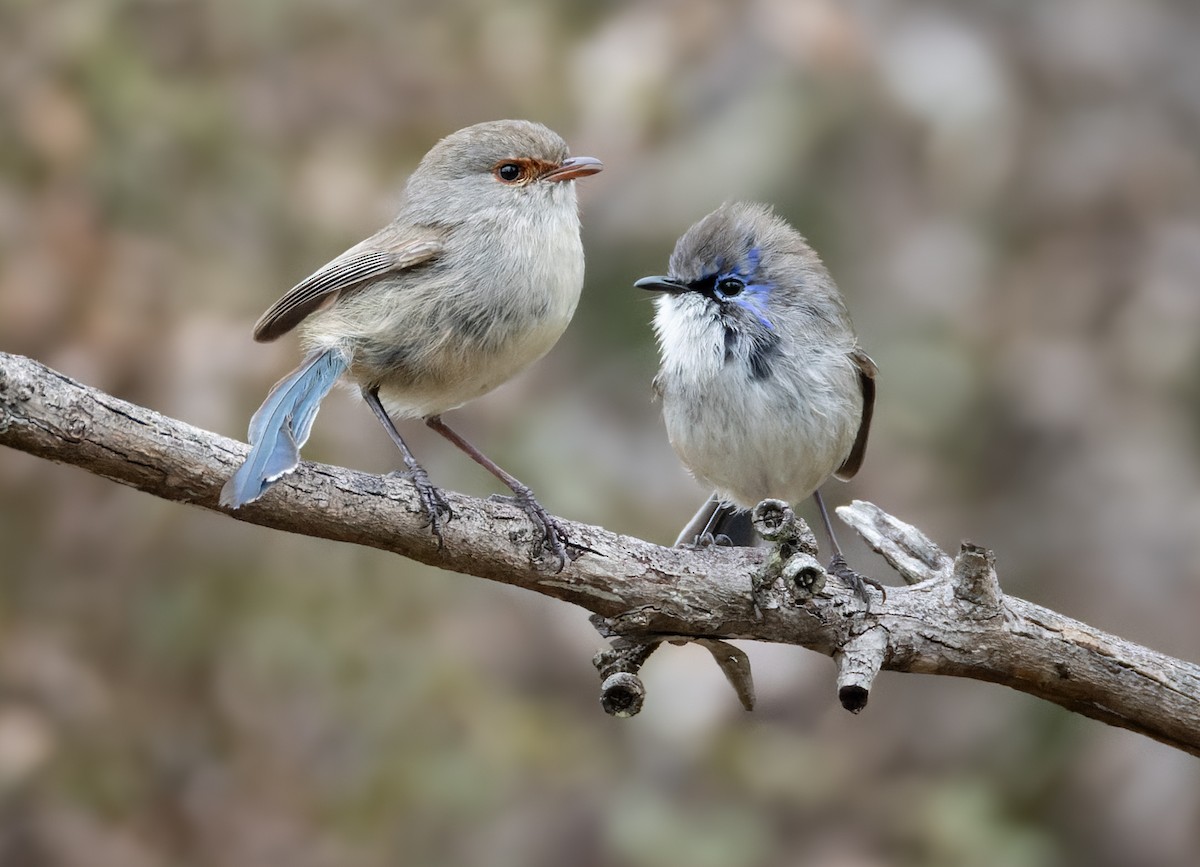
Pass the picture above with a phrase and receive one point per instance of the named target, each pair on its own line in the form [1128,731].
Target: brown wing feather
[867,372]
[354,267]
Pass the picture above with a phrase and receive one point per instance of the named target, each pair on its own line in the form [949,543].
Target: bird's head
[493,167]
[737,265]
[741,283]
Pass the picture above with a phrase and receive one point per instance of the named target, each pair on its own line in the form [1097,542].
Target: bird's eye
[509,172]
[730,286]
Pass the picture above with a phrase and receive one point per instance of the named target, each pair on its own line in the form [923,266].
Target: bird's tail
[281,426]
[720,519]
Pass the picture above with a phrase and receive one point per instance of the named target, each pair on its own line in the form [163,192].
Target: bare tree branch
[952,618]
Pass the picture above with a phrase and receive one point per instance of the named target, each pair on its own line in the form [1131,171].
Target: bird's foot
[433,501]
[553,537]
[707,540]
[856,582]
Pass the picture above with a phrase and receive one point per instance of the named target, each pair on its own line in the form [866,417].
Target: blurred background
[1008,195]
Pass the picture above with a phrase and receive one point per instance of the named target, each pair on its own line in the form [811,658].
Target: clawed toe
[553,537]
[437,509]
[857,582]
[707,540]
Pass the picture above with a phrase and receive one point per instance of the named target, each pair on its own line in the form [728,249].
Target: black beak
[661,284]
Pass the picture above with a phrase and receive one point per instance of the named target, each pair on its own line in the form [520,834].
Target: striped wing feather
[367,261]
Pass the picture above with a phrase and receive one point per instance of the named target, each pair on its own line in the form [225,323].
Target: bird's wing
[867,372]
[378,255]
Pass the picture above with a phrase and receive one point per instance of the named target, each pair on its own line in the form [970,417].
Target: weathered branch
[951,619]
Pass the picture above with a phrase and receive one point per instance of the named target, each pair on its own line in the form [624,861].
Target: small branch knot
[853,697]
[622,692]
[776,522]
[772,519]
[803,577]
[974,578]
[792,558]
[858,662]
[78,423]
[16,388]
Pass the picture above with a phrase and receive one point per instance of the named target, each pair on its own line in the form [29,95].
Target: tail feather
[282,425]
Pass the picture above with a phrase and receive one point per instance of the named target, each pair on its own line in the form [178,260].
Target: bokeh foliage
[1009,196]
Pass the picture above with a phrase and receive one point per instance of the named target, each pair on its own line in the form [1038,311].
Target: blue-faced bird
[764,389]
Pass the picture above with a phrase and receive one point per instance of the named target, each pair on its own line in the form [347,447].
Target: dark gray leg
[554,537]
[432,500]
[838,566]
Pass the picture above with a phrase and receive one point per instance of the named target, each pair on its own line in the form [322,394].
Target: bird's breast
[752,436]
[436,337]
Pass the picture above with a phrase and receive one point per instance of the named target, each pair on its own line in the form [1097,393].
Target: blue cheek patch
[755,296]
[755,302]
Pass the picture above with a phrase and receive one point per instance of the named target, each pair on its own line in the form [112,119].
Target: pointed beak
[574,167]
[661,284]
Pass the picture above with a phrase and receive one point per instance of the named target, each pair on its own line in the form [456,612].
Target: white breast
[750,439]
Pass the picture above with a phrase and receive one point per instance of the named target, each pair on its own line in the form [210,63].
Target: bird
[475,278]
[764,389]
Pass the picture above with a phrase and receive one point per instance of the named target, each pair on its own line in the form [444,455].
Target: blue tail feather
[281,426]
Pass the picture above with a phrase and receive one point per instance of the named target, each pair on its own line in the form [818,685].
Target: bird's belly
[455,374]
[433,357]
[759,443]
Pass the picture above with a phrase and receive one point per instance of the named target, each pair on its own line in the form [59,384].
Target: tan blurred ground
[1008,194]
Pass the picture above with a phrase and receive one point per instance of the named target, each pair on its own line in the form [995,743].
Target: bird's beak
[661,284]
[574,167]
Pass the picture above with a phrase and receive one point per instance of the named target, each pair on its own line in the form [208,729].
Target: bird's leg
[838,566]
[717,523]
[553,536]
[706,538]
[432,500]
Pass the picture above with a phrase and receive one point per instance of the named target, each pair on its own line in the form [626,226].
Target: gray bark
[951,617]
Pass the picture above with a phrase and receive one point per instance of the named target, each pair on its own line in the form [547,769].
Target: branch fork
[792,575]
